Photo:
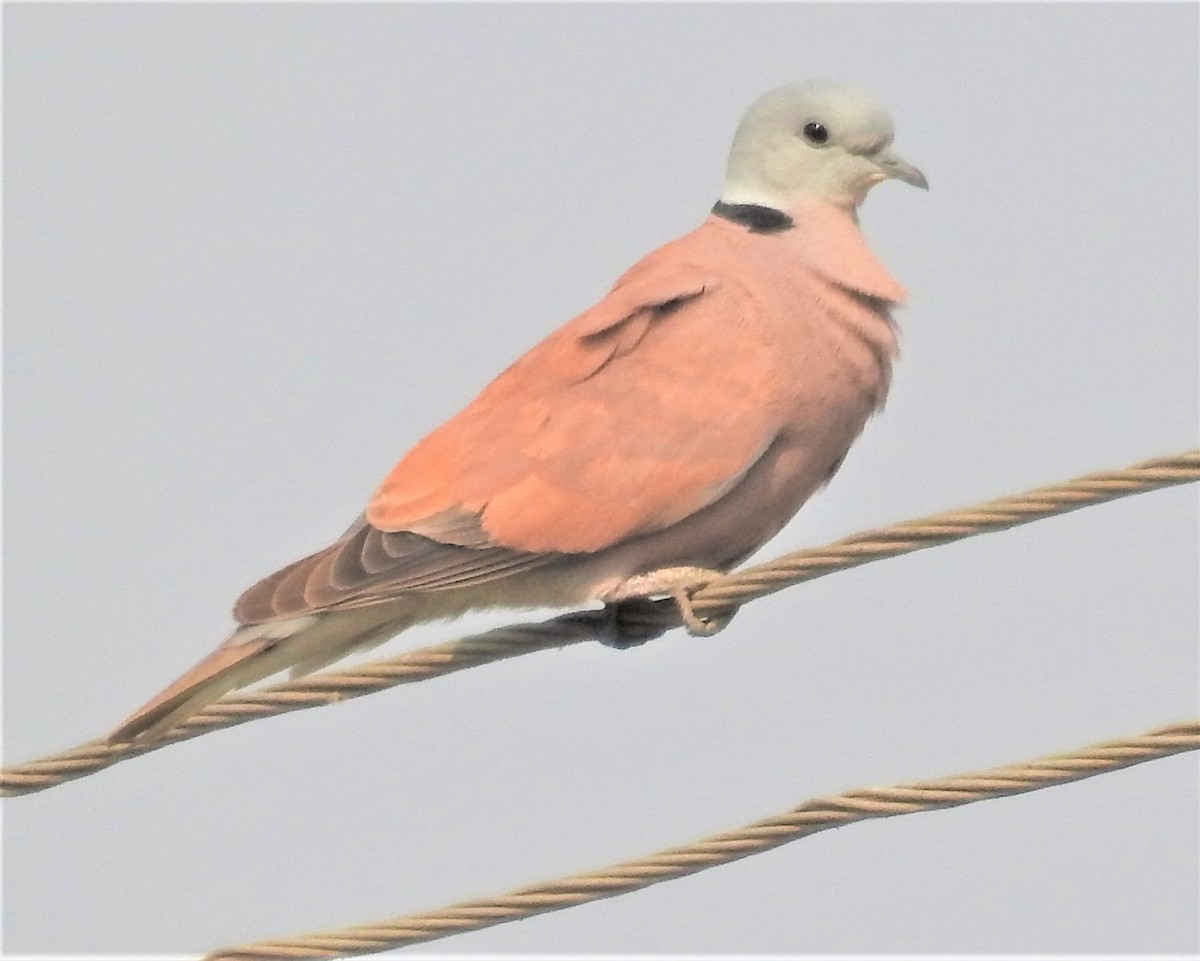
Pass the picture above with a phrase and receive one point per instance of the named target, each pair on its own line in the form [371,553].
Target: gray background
[254,253]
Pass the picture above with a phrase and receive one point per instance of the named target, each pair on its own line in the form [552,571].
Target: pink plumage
[663,434]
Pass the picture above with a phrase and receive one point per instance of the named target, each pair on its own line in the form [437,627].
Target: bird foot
[632,622]
[679,583]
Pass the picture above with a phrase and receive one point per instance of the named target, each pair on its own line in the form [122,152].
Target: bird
[648,445]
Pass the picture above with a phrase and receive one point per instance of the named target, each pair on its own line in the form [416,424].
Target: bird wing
[372,566]
[636,414]
[629,418]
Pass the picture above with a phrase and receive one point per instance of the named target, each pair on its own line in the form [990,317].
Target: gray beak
[894,168]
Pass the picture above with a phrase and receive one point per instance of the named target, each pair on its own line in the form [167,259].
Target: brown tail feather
[255,651]
[227,667]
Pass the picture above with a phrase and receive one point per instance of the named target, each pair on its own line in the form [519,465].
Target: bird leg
[678,583]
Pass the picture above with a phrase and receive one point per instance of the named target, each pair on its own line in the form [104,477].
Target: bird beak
[893,168]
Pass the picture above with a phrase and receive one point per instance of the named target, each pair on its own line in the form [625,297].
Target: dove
[646,446]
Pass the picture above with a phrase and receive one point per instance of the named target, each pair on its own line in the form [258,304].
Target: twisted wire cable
[652,618]
[819,814]
[903,538]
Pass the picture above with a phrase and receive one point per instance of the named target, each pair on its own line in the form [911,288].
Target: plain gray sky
[253,253]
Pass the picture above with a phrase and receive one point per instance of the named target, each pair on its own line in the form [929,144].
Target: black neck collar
[755,217]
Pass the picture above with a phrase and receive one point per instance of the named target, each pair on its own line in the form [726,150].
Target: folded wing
[624,421]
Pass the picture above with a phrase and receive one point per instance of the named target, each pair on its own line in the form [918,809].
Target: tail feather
[256,651]
[228,667]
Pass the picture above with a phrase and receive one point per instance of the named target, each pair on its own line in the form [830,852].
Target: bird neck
[741,197]
[761,214]
[757,218]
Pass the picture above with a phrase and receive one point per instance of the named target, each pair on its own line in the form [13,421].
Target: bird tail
[230,666]
[252,653]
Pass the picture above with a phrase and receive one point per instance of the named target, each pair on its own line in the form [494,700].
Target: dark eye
[815,133]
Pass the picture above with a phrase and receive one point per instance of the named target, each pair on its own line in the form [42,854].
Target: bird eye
[815,133]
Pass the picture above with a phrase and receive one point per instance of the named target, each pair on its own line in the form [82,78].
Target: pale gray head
[815,140]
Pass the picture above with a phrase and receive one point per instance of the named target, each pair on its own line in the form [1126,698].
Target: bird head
[818,141]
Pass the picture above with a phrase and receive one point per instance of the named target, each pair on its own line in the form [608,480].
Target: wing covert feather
[624,421]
